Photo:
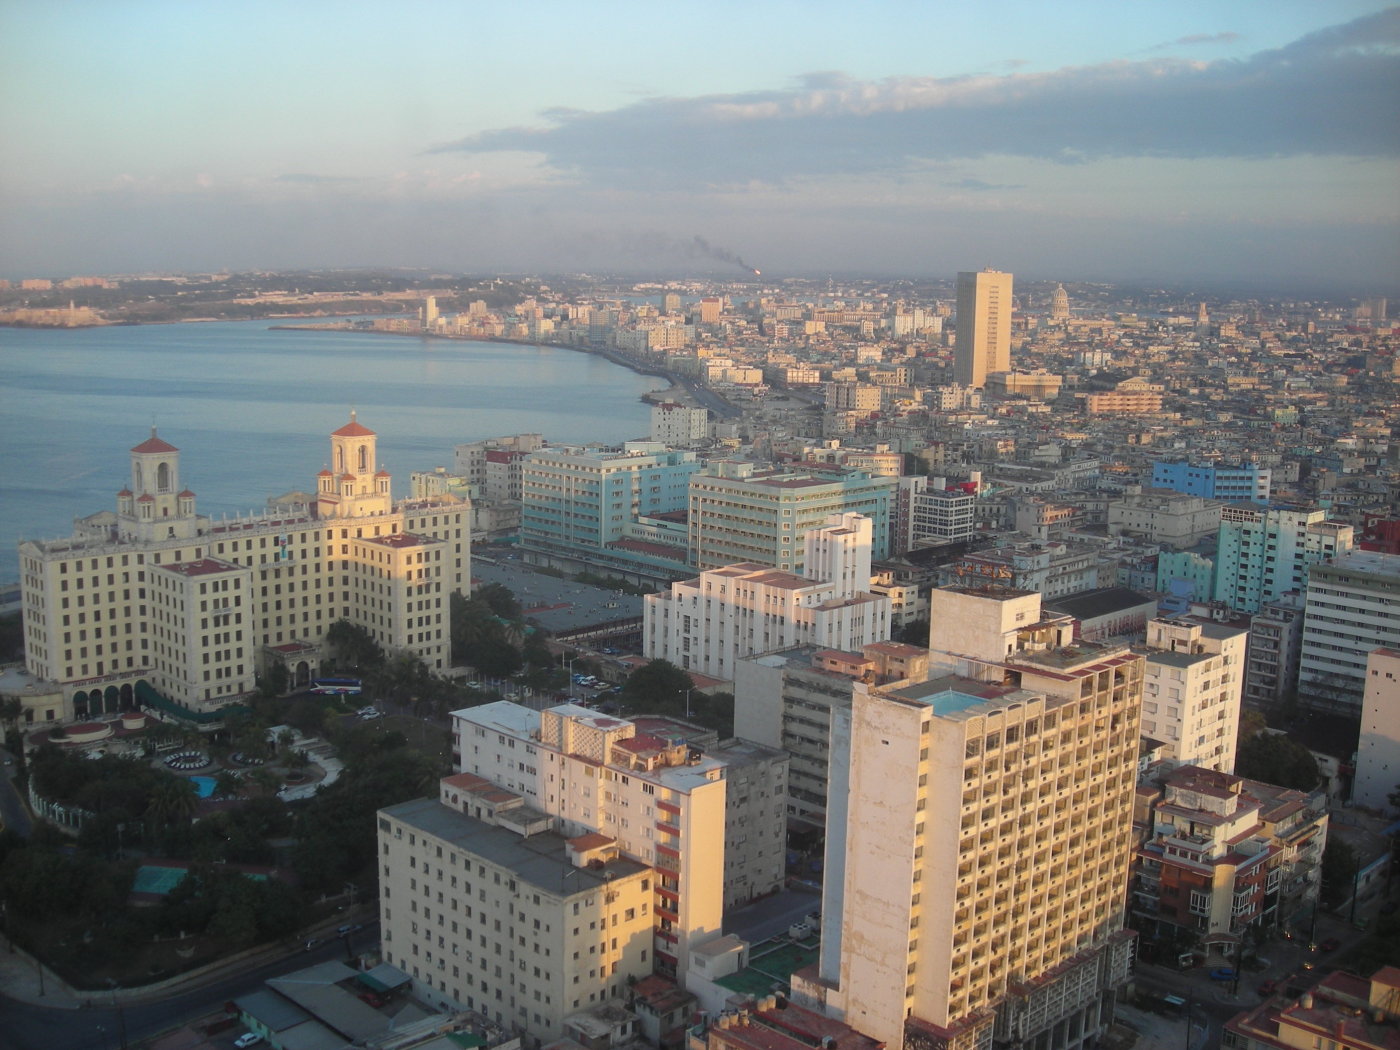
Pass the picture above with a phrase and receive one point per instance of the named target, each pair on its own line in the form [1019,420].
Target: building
[662,801]
[1341,1010]
[1131,397]
[1192,686]
[1378,753]
[740,512]
[1165,517]
[674,424]
[942,516]
[1275,647]
[579,504]
[979,836]
[1059,304]
[785,700]
[1219,854]
[1351,610]
[1242,483]
[501,915]
[1265,551]
[158,604]
[1056,570]
[1038,385]
[771,1023]
[983,338]
[709,623]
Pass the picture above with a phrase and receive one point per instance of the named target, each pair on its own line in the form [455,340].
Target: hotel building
[979,836]
[157,604]
[1194,679]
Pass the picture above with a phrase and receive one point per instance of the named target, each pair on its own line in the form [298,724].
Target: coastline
[677,390]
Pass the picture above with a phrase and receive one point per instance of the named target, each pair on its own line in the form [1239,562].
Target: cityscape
[610,527]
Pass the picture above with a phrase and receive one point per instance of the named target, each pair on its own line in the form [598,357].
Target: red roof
[124,492]
[353,429]
[155,444]
[187,494]
[324,474]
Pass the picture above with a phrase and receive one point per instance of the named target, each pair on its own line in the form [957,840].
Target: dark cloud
[1324,94]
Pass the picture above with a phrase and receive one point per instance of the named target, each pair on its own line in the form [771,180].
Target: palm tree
[174,800]
[11,710]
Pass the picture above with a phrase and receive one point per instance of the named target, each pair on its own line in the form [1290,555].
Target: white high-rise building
[709,623]
[1378,752]
[1353,607]
[1191,693]
[679,425]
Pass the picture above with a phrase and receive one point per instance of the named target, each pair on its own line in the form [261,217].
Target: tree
[660,686]
[1339,867]
[500,600]
[1277,759]
[273,683]
[354,645]
[174,801]
[11,711]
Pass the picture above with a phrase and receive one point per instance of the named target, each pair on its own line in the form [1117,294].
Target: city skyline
[1086,141]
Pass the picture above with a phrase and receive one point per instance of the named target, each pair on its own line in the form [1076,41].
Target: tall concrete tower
[983,341]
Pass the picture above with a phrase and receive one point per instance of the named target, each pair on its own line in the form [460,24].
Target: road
[27,1027]
[12,811]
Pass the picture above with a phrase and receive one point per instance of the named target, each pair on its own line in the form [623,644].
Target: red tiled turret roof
[353,429]
[155,444]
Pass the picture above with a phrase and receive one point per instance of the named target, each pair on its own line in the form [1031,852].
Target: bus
[336,686]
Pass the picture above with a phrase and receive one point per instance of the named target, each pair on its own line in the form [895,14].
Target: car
[349,927]
[1268,987]
[247,1039]
[1330,945]
[1223,973]
[311,942]
[372,998]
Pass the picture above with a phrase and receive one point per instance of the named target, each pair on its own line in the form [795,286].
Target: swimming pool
[204,785]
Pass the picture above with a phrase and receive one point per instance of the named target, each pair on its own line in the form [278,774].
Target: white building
[943,516]
[709,623]
[663,803]
[499,914]
[1353,607]
[1191,691]
[679,425]
[1378,753]
[158,604]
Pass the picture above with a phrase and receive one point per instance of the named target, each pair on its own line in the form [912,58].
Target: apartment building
[709,623]
[1218,854]
[1192,684]
[1378,752]
[1275,647]
[1169,518]
[1241,483]
[1265,551]
[660,800]
[1352,608]
[979,836]
[785,700]
[676,424]
[578,505]
[739,512]
[943,516]
[501,915]
[157,604]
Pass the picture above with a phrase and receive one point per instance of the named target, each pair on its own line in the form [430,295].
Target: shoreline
[676,391]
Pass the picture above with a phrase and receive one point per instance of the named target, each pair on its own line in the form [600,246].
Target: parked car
[1223,973]
[372,998]
[1268,987]
[349,927]
[311,942]
[247,1039]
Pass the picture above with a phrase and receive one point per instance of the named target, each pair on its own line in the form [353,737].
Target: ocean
[251,409]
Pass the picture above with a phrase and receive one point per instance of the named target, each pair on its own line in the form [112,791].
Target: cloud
[1319,95]
[978,184]
[1192,39]
[313,180]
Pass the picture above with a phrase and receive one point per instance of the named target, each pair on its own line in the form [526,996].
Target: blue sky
[1139,141]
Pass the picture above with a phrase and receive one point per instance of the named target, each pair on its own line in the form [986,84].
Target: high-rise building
[979,831]
[160,605]
[1265,551]
[1246,482]
[675,424]
[710,623]
[1351,610]
[1378,752]
[740,512]
[983,340]
[1191,691]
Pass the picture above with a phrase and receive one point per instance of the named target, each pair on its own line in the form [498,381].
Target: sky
[1246,141]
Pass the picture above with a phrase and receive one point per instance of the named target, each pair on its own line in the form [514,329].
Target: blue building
[1247,483]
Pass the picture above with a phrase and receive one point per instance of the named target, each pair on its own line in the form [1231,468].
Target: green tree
[354,646]
[1277,759]
[274,681]
[11,711]
[174,801]
[658,686]
[500,600]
